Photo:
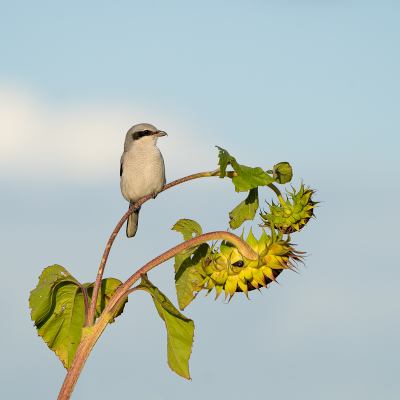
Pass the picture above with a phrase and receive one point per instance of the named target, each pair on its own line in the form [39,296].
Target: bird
[142,169]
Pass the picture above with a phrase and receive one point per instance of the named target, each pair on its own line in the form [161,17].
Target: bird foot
[132,206]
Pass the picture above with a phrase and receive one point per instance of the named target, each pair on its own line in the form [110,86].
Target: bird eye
[140,134]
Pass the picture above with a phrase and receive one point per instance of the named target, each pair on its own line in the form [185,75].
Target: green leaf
[248,178]
[181,257]
[187,227]
[188,274]
[283,172]
[180,330]
[58,309]
[224,160]
[40,300]
[246,210]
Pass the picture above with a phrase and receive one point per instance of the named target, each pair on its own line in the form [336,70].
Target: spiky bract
[293,214]
[228,270]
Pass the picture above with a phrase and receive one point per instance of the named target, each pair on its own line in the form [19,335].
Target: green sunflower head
[228,270]
[293,214]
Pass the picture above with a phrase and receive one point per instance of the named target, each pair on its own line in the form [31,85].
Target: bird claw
[132,206]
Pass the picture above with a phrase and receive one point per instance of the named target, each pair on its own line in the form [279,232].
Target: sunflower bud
[293,214]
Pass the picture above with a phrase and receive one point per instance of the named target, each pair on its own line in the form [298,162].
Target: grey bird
[142,169]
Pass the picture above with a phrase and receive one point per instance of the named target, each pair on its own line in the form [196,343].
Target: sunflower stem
[278,193]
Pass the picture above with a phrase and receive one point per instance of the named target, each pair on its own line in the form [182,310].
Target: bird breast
[143,173]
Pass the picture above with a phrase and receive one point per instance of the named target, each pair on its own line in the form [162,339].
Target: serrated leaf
[246,210]
[181,257]
[188,274]
[40,300]
[180,330]
[188,228]
[185,280]
[283,172]
[248,178]
[58,309]
[58,312]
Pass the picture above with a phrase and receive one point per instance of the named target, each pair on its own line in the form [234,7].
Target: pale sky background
[313,83]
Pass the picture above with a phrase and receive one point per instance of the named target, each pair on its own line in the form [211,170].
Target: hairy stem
[88,340]
[99,277]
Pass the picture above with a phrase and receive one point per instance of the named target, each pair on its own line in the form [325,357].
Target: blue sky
[313,84]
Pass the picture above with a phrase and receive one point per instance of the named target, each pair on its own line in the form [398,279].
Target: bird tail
[132,224]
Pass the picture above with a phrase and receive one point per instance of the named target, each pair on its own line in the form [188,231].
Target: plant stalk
[88,340]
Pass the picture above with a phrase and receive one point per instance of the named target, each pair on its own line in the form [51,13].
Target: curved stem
[278,193]
[110,242]
[97,284]
[242,246]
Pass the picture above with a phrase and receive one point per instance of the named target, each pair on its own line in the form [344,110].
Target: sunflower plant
[70,316]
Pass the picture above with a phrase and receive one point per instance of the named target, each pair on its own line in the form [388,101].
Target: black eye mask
[138,135]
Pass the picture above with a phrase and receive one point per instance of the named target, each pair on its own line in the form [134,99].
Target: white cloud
[81,140]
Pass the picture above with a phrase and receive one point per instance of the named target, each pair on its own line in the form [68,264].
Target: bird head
[142,135]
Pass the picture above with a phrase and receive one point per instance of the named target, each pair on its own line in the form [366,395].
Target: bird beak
[160,133]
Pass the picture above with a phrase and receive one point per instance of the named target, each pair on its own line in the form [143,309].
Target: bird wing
[121,164]
[165,178]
